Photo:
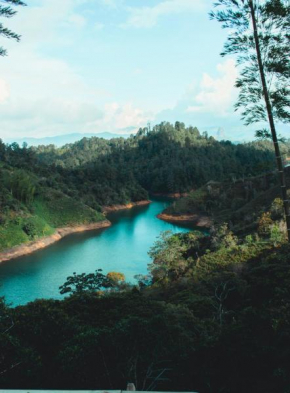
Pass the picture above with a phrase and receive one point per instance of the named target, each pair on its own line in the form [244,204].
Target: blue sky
[113,65]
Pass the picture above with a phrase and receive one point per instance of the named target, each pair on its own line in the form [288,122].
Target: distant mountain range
[217,132]
[61,140]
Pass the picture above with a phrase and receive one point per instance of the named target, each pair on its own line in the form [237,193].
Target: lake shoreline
[123,247]
[198,220]
[35,245]
[173,195]
[115,208]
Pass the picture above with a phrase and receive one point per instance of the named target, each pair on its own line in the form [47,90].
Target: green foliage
[167,255]
[276,235]
[164,160]
[265,134]
[277,209]
[222,237]
[22,186]
[11,235]
[170,256]
[200,332]
[29,211]
[260,37]
[7,11]
[241,203]
[272,20]
[265,224]
[30,229]
[59,210]
[23,229]
[80,283]
[249,239]
[100,172]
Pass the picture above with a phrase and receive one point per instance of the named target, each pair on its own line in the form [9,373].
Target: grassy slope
[59,210]
[51,209]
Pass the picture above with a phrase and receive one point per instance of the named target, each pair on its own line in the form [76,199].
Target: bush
[265,224]
[277,209]
[30,229]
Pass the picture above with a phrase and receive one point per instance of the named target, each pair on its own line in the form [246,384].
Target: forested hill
[95,172]
[166,159]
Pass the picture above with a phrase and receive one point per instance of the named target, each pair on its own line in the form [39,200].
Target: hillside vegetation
[47,187]
[166,159]
[29,211]
[239,202]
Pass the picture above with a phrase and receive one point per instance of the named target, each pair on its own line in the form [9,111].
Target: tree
[80,283]
[265,224]
[22,186]
[222,237]
[116,278]
[260,37]
[167,255]
[7,12]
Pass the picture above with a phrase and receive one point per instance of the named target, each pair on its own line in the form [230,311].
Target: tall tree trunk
[271,120]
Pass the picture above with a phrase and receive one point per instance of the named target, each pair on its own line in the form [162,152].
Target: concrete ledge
[78,391]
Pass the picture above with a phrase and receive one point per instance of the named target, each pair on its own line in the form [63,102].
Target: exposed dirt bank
[174,195]
[114,208]
[197,220]
[28,248]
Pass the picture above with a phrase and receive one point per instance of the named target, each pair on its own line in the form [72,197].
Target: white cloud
[146,17]
[121,116]
[137,71]
[77,20]
[110,3]
[40,24]
[99,26]
[216,95]
[208,103]
[47,95]
[4,90]
[39,118]
[42,95]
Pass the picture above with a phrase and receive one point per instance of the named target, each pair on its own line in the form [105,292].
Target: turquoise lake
[123,247]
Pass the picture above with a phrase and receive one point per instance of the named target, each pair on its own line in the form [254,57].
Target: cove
[123,247]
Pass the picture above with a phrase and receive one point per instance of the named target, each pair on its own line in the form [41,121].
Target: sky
[89,66]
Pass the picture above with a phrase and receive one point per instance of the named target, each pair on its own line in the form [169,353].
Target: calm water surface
[123,247]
